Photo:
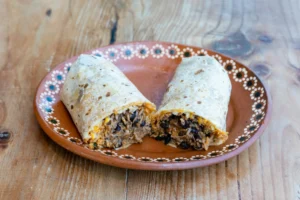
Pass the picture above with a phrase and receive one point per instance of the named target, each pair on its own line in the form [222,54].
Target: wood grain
[261,34]
[37,35]
[32,166]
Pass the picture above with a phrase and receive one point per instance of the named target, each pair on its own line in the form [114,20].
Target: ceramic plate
[150,66]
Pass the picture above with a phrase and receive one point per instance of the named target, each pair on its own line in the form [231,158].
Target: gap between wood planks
[113,30]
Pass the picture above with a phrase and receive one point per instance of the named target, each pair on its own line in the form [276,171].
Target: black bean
[208,134]
[182,133]
[196,136]
[201,127]
[166,131]
[118,128]
[133,116]
[167,139]
[164,124]
[95,145]
[184,145]
[194,130]
[185,126]
[143,123]
[174,116]
[160,138]
[195,133]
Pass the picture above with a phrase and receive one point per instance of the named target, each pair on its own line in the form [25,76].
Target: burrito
[194,108]
[106,107]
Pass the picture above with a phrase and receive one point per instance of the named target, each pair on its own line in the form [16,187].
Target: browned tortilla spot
[185,96]
[72,106]
[80,95]
[181,81]
[100,97]
[168,88]
[104,85]
[199,71]
[198,102]
[107,94]
[85,86]
[88,112]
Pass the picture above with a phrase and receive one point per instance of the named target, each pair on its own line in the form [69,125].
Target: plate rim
[154,166]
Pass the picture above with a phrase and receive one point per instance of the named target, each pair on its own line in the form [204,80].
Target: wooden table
[38,35]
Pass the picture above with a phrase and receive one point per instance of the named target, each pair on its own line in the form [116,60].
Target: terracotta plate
[150,66]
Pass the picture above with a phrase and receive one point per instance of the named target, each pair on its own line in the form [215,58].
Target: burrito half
[194,108]
[107,109]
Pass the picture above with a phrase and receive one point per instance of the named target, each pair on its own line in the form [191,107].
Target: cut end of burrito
[186,130]
[123,128]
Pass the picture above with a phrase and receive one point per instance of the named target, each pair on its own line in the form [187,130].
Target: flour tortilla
[94,89]
[200,87]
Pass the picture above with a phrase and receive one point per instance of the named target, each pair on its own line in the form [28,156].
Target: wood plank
[263,35]
[36,36]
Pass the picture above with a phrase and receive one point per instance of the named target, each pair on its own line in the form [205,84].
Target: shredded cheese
[106,120]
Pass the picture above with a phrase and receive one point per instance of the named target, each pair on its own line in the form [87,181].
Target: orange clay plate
[150,66]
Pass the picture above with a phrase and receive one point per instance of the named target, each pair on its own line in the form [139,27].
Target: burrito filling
[119,130]
[185,130]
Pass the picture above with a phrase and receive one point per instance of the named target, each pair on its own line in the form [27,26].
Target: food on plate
[194,108]
[106,107]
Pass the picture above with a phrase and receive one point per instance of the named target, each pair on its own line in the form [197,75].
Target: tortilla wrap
[106,107]
[194,108]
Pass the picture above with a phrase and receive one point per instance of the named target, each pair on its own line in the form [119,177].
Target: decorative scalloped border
[239,74]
